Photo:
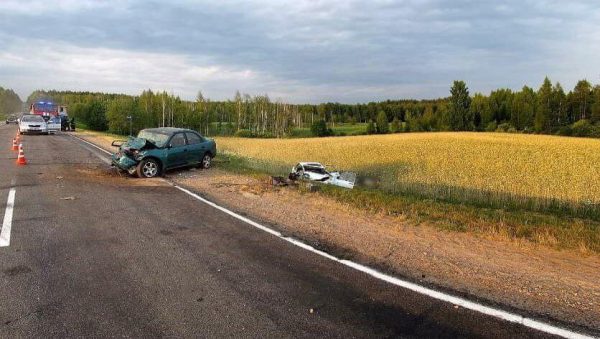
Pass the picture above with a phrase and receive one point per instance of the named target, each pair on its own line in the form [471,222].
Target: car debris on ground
[316,172]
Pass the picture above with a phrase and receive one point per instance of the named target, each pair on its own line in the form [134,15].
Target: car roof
[311,164]
[167,130]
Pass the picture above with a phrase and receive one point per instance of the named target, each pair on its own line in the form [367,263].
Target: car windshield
[159,139]
[32,118]
[313,169]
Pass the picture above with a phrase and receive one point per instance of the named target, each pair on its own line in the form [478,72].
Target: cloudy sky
[298,51]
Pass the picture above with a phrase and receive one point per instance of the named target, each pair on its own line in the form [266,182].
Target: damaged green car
[156,150]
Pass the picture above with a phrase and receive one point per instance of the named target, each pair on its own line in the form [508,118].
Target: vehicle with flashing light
[48,109]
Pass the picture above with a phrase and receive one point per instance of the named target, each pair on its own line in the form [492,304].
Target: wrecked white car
[315,171]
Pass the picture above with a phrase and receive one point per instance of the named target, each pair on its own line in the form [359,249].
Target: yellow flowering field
[515,165]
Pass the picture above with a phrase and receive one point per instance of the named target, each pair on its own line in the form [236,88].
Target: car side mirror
[169,146]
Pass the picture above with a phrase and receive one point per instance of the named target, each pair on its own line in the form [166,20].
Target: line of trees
[548,110]
[9,102]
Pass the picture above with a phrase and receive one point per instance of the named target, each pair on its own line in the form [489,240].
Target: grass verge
[549,229]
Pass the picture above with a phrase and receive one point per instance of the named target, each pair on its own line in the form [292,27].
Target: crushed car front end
[130,153]
[124,162]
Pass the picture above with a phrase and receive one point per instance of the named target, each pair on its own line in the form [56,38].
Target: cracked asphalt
[95,254]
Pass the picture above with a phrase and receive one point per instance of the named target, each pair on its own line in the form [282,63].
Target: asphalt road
[96,254]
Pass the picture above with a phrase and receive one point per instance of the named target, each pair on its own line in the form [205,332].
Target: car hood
[137,144]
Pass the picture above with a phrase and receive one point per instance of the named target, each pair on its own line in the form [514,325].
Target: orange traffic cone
[21,159]
[15,147]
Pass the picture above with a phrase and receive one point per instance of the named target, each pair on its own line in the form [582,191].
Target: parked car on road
[32,123]
[156,150]
[12,119]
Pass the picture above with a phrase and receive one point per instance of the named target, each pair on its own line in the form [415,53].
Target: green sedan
[156,150]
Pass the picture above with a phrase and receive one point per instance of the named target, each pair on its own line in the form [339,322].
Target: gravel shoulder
[560,285]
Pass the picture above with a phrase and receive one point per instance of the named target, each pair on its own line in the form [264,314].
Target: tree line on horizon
[547,110]
[10,102]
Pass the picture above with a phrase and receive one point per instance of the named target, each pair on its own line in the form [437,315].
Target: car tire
[148,168]
[206,161]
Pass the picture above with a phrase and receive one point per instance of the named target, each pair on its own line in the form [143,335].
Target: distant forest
[547,110]
[9,102]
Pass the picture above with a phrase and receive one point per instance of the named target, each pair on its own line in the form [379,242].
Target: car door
[196,148]
[177,150]
[54,124]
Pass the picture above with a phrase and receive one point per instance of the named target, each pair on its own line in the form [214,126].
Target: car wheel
[148,168]
[206,161]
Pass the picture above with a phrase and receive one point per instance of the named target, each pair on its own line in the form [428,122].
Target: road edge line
[471,305]
[8,216]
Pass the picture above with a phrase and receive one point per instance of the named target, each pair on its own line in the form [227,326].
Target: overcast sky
[298,51]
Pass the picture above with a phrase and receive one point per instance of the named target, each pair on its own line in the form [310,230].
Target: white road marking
[494,312]
[7,221]
[106,161]
[508,316]
[91,144]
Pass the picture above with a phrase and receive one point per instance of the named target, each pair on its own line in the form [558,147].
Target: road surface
[92,253]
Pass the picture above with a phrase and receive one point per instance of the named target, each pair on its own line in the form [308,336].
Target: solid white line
[91,144]
[107,161]
[508,316]
[7,221]
[505,315]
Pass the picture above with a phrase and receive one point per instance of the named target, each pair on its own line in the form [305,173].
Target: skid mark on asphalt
[16,270]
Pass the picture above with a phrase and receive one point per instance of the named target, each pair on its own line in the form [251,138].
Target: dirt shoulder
[561,285]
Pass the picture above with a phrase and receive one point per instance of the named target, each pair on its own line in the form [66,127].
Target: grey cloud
[350,50]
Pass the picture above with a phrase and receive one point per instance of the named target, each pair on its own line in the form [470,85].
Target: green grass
[81,126]
[555,230]
[338,129]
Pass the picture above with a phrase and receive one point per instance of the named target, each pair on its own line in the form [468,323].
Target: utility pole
[130,118]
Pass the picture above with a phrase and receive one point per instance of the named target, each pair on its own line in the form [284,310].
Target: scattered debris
[310,187]
[59,177]
[311,311]
[68,198]
[281,181]
[278,181]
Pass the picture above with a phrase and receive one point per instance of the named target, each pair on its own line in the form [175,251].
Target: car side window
[178,140]
[193,138]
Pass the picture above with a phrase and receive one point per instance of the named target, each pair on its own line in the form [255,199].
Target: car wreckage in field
[314,171]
